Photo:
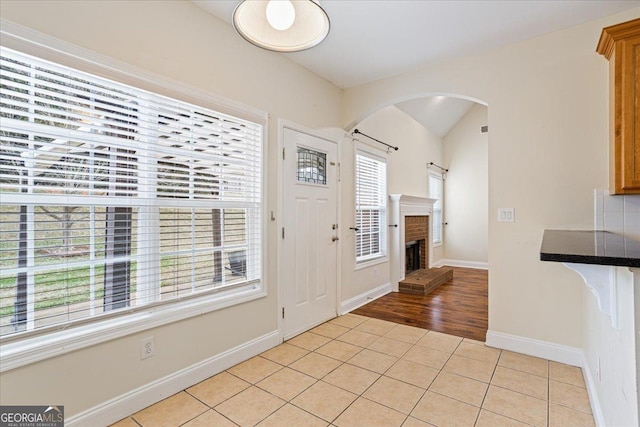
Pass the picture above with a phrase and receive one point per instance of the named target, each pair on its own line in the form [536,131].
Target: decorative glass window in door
[312,166]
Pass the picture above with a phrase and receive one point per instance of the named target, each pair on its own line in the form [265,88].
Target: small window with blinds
[371,207]
[113,198]
[435,192]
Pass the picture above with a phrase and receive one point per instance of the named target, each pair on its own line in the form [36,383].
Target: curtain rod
[440,167]
[376,140]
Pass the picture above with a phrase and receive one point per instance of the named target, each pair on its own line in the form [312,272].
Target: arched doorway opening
[450,131]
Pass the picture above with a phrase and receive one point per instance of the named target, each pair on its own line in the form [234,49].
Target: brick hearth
[423,281]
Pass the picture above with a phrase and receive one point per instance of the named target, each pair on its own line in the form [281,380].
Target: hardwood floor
[459,307]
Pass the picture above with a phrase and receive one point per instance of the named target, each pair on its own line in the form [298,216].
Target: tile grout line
[209,408]
[289,401]
[427,389]
[247,388]
[361,395]
[495,367]
[328,373]
[411,345]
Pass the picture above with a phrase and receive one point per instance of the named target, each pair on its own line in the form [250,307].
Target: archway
[461,147]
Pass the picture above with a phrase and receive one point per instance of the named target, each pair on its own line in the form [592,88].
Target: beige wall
[177,40]
[407,167]
[466,189]
[547,100]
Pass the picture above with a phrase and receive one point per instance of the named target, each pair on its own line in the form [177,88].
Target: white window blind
[113,198]
[435,192]
[371,205]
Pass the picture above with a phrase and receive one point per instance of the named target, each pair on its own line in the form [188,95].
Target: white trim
[371,262]
[596,409]
[461,263]
[374,151]
[547,350]
[364,298]
[109,412]
[44,346]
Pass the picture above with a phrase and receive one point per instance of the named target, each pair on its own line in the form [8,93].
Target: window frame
[383,254]
[439,177]
[20,350]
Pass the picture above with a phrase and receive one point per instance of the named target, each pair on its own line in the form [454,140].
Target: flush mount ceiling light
[281,25]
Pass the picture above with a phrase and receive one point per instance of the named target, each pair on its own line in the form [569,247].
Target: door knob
[334,238]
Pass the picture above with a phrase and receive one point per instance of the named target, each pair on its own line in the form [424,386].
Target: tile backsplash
[618,214]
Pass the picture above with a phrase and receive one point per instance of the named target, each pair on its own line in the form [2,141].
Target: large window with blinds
[114,199]
[371,207]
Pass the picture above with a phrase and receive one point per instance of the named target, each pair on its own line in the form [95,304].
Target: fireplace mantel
[401,206]
[413,205]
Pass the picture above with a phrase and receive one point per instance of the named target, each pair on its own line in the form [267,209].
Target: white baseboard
[133,401]
[460,263]
[544,349]
[589,380]
[556,352]
[362,299]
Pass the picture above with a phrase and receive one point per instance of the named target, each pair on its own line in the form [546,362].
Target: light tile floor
[357,371]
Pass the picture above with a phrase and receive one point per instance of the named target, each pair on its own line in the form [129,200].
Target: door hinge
[283,153]
[339,171]
[283,232]
[283,312]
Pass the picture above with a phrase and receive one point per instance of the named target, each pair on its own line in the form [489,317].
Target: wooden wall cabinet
[620,44]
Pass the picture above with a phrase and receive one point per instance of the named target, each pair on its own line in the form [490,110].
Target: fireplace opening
[412,256]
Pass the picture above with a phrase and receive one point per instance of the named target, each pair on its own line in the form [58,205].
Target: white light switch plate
[506,215]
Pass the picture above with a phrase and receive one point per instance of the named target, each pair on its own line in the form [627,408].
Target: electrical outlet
[147,347]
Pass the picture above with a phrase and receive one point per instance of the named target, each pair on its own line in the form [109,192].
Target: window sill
[41,347]
[437,245]
[371,262]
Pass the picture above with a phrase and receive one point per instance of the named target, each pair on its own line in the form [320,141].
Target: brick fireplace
[416,236]
[409,221]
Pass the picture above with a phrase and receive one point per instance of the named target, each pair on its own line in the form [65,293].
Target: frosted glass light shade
[281,14]
[309,28]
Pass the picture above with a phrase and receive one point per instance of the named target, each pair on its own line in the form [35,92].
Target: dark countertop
[590,247]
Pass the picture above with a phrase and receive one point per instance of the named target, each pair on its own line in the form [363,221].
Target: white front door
[310,231]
